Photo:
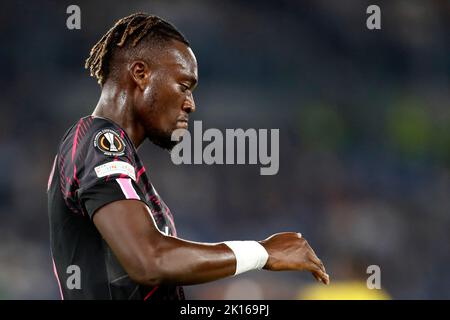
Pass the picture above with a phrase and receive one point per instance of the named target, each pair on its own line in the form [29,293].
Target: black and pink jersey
[96,164]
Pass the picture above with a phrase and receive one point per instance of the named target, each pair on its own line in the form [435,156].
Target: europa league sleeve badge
[109,143]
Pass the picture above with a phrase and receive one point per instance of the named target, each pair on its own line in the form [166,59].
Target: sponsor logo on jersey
[115,167]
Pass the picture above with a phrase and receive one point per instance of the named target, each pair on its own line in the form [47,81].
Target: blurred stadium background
[364,123]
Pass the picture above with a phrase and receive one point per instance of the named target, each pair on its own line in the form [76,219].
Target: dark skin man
[150,98]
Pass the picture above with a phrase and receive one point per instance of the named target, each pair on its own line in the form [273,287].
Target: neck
[115,104]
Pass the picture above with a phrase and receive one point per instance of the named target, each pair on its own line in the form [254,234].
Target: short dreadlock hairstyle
[126,34]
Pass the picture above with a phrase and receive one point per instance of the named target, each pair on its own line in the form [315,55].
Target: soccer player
[106,218]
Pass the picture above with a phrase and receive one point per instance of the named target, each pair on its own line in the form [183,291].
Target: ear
[140,73]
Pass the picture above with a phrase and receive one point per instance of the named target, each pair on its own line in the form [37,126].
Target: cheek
[147,107]
[161,104]
[171,101]
[157,108]
[149,96]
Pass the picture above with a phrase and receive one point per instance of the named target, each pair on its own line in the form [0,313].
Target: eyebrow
[186,74]
[191,78]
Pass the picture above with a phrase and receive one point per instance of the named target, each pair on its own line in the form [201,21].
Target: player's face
[168,100]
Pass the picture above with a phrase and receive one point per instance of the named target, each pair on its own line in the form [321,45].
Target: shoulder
[95,150]
[95,133]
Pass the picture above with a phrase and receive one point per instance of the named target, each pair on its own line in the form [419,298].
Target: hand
[290,251]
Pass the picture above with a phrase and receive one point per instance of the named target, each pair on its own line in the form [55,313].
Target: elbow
[147,272]
[146,279]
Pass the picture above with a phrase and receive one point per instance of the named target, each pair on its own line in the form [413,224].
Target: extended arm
[152,258]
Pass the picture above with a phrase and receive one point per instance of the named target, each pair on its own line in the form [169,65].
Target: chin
[162,139]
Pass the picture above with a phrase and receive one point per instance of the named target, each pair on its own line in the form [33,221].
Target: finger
[316,271]
[324,278]
[319,279]
[315,259]
[316,276]
[318,262]
[327,280]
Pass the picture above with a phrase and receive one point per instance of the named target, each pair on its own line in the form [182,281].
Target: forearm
[184,262]
[152,258]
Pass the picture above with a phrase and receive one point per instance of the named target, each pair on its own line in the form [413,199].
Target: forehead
[178,57]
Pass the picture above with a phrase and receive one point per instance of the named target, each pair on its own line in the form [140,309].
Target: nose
[189,104]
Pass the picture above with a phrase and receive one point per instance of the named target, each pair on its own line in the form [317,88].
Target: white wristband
[250,255]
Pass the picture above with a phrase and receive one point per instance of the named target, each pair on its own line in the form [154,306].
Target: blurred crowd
[364,123]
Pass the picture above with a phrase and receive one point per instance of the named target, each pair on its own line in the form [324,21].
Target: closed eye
[184,87]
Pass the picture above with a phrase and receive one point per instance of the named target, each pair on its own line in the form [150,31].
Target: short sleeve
[104,193]
[94,153]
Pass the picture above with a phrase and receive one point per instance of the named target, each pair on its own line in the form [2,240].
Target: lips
[183,123]
[183,118]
